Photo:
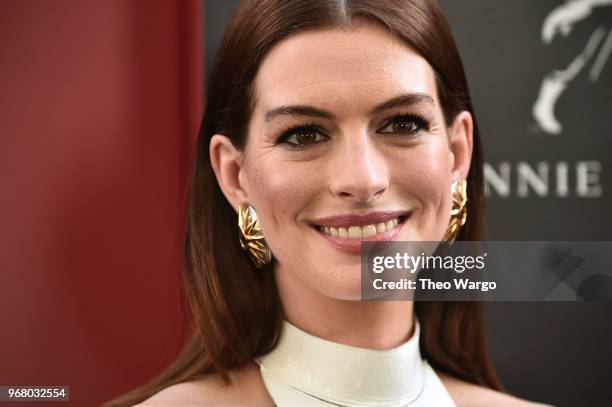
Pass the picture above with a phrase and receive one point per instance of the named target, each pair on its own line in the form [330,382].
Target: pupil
[403,126]
[305,137]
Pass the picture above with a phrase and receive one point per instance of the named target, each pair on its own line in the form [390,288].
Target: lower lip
[353,246]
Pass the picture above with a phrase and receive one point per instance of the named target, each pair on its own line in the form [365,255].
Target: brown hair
[236,311]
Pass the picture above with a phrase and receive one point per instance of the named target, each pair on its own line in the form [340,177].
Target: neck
[365,324]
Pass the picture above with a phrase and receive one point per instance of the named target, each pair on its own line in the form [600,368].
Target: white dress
[304,370]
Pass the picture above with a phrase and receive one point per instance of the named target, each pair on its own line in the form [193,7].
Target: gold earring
[458,211]
[251,236]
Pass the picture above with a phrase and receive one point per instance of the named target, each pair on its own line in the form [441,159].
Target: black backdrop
[541,81]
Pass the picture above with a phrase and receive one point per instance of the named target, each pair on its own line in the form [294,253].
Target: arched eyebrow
[402,100]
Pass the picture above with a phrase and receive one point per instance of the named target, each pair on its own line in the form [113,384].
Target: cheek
[279,191]
[424,176]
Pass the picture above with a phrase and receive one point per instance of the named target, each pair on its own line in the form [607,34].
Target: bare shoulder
[246,389]
[467,394]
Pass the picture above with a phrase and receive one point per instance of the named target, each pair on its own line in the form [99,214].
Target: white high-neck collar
[306,370]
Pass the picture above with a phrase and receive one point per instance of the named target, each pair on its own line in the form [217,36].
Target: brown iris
[305,137]
[405,127]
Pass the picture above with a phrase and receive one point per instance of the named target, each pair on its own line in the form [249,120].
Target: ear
[461,142]
[227,163]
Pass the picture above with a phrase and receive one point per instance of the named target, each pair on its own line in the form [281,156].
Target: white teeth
[355,232]
[361,232]
[368,230]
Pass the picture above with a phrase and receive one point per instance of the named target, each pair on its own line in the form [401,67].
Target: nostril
[359,192]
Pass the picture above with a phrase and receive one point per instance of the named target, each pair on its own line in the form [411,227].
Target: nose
[359,170]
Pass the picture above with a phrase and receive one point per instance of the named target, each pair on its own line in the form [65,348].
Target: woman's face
[345,122]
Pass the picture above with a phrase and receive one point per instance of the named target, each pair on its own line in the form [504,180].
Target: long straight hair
[235,310]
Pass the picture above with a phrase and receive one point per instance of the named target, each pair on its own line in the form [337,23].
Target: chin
[341,283]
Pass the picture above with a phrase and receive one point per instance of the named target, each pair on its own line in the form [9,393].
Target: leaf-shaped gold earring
[251,236]
[458,211]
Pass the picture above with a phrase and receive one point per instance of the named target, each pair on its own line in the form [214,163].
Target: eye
[410,124]
[302,136]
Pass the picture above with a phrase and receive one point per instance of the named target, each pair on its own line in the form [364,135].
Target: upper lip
[356,219]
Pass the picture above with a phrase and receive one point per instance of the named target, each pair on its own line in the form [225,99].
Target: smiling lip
[353,246]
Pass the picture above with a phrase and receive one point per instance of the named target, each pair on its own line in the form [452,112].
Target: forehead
[347,66]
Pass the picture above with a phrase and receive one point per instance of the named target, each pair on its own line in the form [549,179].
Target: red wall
[99,107]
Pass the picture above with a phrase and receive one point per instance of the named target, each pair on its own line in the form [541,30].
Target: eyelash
[420,121]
